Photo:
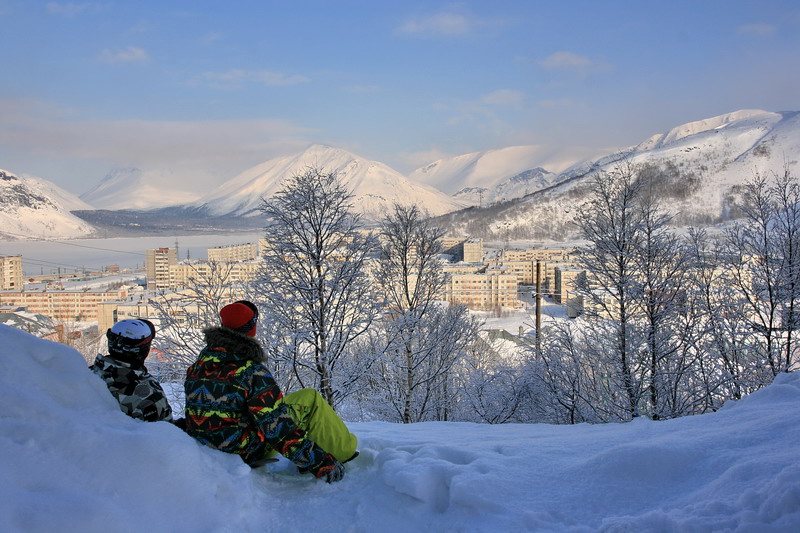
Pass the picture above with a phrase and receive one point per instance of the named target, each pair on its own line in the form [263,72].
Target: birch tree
[314,288]
[423,337]
[611,222]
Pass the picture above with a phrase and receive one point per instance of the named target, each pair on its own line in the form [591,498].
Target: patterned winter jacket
[232,404]
[138,393]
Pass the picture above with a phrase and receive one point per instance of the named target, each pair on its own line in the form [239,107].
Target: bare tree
[182,315]
[314,284]
[423,337]
[612,223]
[764,257]
[661,265]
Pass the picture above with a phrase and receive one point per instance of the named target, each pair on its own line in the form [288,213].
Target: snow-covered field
[70,461]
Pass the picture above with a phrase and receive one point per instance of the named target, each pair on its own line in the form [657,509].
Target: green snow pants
[317,418]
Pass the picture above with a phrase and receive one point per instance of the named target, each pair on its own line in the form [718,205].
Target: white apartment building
[157,263]
[11,274]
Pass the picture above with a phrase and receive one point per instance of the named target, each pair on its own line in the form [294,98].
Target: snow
[32,207]
[71,461]
[133,188]
[375,186]
[492,167]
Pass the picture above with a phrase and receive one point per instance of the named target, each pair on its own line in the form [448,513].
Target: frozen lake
[47,257]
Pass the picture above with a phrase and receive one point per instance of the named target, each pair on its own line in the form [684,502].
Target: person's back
[139,394]
[233,404]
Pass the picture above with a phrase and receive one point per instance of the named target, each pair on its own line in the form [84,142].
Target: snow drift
[71,461]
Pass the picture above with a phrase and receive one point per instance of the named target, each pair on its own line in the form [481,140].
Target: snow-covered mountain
[492,168]
[374,185]
[31,207]
[516,186]
[699,164]
[133,188]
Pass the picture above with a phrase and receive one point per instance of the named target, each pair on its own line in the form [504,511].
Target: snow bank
[71,461]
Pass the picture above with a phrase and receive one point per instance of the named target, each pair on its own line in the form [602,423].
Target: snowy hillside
[700,164]
[516,186]
[132,188]
[33,208]
[72,462]
[375,185]
[490,168]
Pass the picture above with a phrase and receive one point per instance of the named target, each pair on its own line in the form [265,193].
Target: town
[83,305]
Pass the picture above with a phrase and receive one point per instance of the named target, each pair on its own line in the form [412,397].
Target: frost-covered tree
[611,222]
[660,270]
[764,257]
[723,336]
[423,338]
[183,314]
[314,291]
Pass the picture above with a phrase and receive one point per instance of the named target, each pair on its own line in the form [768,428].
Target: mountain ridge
[706,159]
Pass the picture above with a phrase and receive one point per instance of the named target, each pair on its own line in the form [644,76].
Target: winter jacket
[139,394]
[232,404]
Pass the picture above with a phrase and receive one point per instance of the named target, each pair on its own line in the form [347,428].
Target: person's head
[241,316]
[129,340]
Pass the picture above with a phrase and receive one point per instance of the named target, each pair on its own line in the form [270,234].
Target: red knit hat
[241,316]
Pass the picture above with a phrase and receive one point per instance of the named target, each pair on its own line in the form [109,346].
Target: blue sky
[207,89]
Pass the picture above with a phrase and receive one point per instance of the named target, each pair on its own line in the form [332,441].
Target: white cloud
[439,24]
[236,77]
[37,131]
[759,29]
[557,103]
[363,89]
[69,9]
[504,98]
[566,61]
[129,54]
[415,160]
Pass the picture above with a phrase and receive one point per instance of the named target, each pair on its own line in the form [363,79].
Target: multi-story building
[190,274]
[157,265]
[66,305]
[11,274]
[178,305]
[237,252]
[473,250]
[485,291]
[566,292]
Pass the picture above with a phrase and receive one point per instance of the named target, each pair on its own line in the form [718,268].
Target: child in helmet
[233,404]
[138,393]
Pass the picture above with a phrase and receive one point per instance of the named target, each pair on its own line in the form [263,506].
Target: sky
[206,89]
[72,462]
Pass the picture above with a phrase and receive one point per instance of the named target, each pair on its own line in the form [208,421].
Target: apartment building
[157,263]
[484,291]
[566,292]
[190,274]
[66,305]
[11,274]
[237,252]
[463,249]
[179,305]
[540,254]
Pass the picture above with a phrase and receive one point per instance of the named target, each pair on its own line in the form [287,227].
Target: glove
[329,469]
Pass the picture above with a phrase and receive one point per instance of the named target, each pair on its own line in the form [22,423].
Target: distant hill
[491,168]
[700,167]
[31,207]
[375,186]
[505,193]
[133,188]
